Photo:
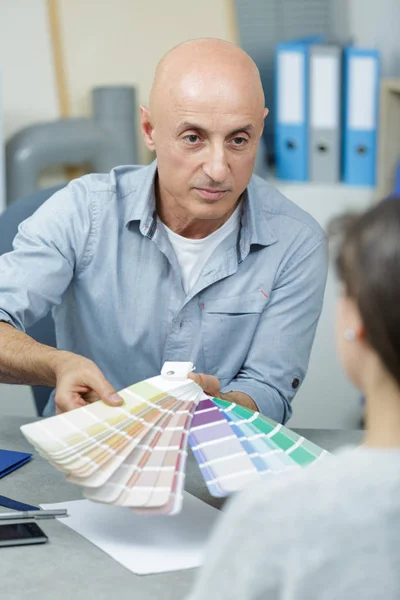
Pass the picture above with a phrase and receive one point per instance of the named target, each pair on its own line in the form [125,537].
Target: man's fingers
[113,399]
[69,406]
[66,401]
[94,396]
[209,383]
[202,380]
[195,377]
[78,386]
[103,388]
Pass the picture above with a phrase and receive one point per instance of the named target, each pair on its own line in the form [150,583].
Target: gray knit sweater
[329,532]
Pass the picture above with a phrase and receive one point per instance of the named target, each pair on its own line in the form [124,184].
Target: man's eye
[240,141]
[192,138]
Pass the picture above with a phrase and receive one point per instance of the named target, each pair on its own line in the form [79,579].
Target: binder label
[291,107]
[361,94]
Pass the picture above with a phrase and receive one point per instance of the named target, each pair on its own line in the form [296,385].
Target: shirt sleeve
[277,360]
[48,249]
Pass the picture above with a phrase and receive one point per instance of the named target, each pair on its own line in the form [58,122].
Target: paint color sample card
[223,460]
[300,450]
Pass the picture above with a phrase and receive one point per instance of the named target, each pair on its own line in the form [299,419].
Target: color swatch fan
[135,455]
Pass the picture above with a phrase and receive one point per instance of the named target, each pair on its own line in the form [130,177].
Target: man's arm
[239,398]
[277,360]
[23,360]
[77,379]
[49,248]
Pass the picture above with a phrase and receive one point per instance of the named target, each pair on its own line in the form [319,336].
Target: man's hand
[209,384]
[79,381]
[212,387]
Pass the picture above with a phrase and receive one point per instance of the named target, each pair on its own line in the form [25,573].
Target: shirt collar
[143,201]
[255,227]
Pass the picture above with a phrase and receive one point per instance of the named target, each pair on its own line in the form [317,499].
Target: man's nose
[216,166]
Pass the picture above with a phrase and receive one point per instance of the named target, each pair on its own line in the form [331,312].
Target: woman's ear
[357,322]
[360,333]
[352,317]
[147,128]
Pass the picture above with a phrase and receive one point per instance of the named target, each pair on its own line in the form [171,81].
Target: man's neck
[183,224]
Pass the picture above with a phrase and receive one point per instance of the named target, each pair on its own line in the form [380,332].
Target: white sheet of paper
[144,544]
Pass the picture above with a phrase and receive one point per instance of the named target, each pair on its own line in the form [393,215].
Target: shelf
[323,201]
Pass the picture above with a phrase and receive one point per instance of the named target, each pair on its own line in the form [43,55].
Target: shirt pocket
[228,328]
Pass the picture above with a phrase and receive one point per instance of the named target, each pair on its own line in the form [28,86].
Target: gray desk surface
[70,567]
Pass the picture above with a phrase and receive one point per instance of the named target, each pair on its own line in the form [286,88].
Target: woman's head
[368,266]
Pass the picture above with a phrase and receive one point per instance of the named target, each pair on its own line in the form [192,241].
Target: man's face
[206,141]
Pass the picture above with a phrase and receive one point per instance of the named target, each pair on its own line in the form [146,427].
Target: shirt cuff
[268,400]
[5,317]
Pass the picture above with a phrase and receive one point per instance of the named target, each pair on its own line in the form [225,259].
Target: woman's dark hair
[368,265]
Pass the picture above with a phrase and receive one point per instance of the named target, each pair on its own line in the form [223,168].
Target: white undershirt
[192,255]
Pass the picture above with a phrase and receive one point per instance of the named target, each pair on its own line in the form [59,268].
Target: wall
[124,45]
[29,93]
[371,23]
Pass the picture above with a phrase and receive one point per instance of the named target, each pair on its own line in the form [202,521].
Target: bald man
[189,259]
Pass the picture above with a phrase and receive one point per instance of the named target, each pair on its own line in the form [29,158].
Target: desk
[70,567]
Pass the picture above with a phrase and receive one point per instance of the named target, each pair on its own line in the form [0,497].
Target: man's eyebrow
[187,125]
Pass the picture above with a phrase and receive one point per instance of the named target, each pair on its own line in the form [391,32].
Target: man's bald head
[205,121]
[206,67]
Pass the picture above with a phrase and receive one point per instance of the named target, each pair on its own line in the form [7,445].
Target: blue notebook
[10,460]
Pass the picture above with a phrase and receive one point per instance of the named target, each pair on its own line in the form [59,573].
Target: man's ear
[147,128]
[266,111]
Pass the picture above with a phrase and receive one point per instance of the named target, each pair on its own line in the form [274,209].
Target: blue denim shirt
[95,255]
